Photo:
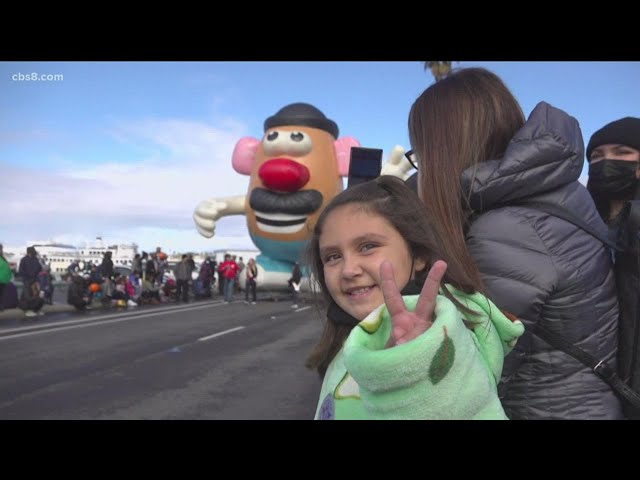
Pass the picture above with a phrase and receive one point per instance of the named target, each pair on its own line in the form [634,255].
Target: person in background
[29,267]
[383,355]
[123,291]
[150,268]
[250,284]
[212,269]
[478,161]
[168,290]
[31,301]
[161,265]
[77,294]
[73,269]
[107,273]
[294,283]
[240,271]
[183,277]
[28,270]
[221,280]
[46,284]
[150,293]
[203,282]
[134,281]
[136,264]
[5,275]
[144,259]
[192,262]
[228,269]
[613,154]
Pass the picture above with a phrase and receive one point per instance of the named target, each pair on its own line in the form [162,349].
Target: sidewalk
[16,313]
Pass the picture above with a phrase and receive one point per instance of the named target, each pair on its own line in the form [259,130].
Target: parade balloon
[294,171]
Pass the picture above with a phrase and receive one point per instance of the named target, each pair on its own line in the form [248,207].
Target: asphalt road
[204,360]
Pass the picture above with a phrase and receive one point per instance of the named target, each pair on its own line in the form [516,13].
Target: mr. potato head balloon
[295,170]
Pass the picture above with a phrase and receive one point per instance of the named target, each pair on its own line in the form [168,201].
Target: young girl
[384,356]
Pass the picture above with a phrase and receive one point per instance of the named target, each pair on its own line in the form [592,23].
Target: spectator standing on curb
[250,284]
[294,283]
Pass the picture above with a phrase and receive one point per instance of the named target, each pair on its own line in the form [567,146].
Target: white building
[59,256]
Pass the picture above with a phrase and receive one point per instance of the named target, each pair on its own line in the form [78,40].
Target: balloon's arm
[235,205]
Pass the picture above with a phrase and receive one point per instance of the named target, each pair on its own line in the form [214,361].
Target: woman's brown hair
[465,119]
[390,198]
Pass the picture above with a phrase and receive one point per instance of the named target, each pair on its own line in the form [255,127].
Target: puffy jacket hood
[546,153]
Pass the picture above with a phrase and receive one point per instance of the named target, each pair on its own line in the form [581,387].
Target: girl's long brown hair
[467,118]
[391,199]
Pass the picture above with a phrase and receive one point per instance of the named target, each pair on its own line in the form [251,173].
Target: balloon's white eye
[282,142]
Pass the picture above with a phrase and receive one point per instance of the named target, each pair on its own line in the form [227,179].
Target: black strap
[599,367]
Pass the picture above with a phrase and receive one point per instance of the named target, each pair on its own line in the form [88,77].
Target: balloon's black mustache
[301,202]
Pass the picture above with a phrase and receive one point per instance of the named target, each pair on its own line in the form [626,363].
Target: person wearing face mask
[613,154]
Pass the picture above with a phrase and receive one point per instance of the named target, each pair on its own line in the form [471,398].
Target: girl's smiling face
[353,244]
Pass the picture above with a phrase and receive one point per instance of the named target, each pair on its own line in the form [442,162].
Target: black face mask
[613,179]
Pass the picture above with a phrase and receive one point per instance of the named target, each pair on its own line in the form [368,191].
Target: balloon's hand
[209,211]
[397,164]
[406,325]
[206,214]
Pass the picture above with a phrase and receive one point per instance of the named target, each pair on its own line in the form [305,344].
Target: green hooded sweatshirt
[449,372]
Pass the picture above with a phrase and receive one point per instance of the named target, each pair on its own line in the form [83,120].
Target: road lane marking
[50,328]
[302,309]
[218,334]
[40,326]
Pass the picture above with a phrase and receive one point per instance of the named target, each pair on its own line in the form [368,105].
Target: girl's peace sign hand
[405,325]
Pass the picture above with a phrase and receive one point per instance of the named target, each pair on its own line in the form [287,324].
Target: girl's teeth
[360,290]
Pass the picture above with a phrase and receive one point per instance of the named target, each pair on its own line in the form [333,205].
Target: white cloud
[137,201]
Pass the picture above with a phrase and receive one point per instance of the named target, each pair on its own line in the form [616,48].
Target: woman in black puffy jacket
[478,161]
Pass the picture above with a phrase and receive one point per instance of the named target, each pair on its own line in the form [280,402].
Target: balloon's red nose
[283,175]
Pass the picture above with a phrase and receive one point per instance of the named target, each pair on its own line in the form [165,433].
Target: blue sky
[126,150]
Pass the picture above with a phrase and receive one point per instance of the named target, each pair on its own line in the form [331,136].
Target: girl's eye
[331,258]
[367,246]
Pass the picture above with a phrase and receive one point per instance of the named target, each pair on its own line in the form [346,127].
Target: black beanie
[304,115]
[625,131]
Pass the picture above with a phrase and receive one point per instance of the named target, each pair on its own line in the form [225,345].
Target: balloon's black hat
[302,114]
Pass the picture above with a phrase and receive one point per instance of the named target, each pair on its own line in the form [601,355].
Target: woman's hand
[406,325]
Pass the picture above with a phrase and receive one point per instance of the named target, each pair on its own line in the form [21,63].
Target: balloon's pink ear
[244,154]
[343,152]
